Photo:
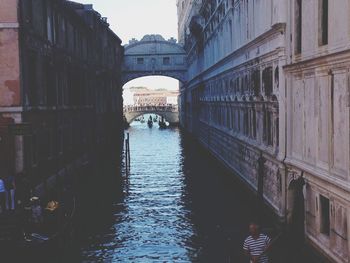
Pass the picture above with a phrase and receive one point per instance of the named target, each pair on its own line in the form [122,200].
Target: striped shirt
[256,247]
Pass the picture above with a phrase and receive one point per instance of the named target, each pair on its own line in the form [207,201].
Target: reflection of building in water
[145,96]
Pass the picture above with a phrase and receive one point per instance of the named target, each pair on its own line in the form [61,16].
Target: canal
[176,205]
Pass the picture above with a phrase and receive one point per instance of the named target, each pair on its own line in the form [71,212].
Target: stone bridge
[154,56]
[170,113]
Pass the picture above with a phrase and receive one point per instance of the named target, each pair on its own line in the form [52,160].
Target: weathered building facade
[62,79]
[268,95]
[317,98]
[231,101]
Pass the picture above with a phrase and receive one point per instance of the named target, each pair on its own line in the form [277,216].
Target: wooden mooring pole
[127,153]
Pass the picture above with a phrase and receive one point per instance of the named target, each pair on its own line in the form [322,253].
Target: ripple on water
[151,225]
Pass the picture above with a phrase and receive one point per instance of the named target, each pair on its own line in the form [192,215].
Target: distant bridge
[170,112]
[154,56]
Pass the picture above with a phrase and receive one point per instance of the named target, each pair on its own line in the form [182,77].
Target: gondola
[150,124]
[42,245]
[162,125]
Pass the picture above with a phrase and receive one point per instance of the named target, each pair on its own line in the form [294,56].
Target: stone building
[60,89]
[267,93]
[232,100]
[138,96]
[147,96]
[317,138]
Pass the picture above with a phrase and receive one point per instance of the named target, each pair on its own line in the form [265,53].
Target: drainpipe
[285,153]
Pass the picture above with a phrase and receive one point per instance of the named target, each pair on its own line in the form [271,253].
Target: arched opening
[151,120]
[146,98]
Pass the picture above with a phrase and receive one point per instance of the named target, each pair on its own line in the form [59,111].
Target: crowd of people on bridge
[148,107]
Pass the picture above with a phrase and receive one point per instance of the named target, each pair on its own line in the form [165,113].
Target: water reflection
[152,223]
[178,205]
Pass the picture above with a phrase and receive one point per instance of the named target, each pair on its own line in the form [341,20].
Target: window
[60,87]
[277,125]
[298,26]
[32,79]
[256,82]
[30,11]
[49,143]
[238,120]
[325,216]
[60,140]
[254,123]
[277,77]
[34,150]
[49,22]
[166,61]
[267,81]
[267,131]
[140,61]
[245,122]
[323,22]
[228,119]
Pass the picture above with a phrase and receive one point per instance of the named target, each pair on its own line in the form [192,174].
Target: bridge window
[166,61]
[140,61]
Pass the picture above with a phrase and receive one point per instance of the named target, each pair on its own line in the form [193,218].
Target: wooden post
[128,138]
[127,154]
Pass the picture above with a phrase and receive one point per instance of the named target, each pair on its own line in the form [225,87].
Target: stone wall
[270,80]
[318,119]
[233,100]
[70,97]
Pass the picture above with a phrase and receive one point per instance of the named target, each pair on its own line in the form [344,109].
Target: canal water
[177,204]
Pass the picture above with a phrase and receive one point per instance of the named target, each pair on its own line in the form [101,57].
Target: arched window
[256,82]
[267,81]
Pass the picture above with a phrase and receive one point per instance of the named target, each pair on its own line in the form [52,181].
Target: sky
[136,18]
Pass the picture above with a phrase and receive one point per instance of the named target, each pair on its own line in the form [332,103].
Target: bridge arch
[154,56]
[170,113]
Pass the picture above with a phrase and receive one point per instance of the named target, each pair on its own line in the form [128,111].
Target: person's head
[254,228]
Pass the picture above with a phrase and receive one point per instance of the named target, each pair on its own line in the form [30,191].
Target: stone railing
[151,108]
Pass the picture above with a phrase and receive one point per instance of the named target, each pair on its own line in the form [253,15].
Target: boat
[150,122]
[53,235]
[162,124]
[43,241]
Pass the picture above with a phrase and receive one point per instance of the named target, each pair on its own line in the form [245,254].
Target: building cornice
[9,25]
[321,61]
[11,109]
[324,177]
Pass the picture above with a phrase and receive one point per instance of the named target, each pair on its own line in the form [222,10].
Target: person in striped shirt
[256,245]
